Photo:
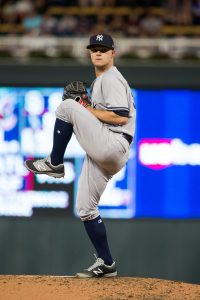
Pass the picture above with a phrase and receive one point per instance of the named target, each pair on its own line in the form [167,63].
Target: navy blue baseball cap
[101,39]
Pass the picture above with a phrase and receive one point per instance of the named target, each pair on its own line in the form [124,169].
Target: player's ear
[113,52]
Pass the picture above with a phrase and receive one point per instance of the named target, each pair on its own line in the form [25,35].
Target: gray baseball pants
[106,153]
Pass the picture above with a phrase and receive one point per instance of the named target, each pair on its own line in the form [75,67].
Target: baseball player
[105,128]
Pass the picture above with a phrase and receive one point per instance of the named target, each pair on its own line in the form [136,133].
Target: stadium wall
[167,249]
[140,74]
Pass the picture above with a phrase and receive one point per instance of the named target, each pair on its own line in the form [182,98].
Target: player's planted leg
[104,265]
[97,233]
[53,164]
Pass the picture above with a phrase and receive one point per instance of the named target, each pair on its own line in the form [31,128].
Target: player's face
[102,57]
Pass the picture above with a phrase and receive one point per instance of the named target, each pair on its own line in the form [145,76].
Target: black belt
[128,137]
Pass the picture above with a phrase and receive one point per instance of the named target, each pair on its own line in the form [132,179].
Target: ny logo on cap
[99,37]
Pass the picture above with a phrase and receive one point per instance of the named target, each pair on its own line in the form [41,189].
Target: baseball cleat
[44,166]
[99,269]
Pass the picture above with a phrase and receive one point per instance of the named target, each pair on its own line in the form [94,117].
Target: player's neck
[100,70]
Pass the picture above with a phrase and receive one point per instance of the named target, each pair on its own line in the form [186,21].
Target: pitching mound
[63,287]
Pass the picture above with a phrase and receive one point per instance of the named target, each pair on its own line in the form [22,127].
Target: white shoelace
[99,262]
[41,164]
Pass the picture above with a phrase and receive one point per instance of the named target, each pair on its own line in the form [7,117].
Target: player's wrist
[90,108]
[84,103]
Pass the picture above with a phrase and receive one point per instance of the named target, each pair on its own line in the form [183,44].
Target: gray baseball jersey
[111,92]
[106,149]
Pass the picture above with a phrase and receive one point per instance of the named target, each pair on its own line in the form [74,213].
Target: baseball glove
[76,90]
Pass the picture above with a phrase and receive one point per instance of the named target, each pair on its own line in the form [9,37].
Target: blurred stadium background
[151,207]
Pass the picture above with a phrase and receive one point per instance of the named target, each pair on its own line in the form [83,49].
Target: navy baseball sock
[61,137]
[97,232]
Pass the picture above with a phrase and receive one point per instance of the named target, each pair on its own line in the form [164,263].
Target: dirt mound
[71,288]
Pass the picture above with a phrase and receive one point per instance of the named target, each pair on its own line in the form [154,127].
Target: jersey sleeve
[115,97]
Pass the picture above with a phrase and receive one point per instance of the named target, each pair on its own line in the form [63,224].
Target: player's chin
[99,64]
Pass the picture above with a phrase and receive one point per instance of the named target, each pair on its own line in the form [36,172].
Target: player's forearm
[108,117]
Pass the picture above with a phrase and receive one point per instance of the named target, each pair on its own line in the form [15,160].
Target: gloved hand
[76,90]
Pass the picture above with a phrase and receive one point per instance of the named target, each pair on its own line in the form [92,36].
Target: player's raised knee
[65,107]
[67,104]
